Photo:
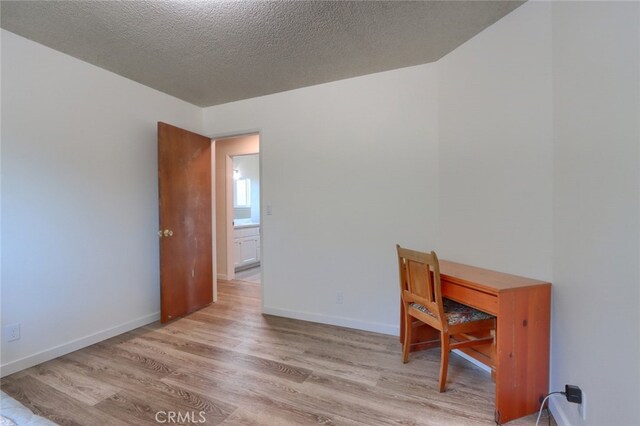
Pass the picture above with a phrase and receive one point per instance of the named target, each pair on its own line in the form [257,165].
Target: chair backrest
[420,280]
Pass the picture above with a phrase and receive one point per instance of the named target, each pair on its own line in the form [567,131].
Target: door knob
[168,233]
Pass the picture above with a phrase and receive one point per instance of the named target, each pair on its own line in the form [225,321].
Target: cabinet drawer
[246,232]
[467,296]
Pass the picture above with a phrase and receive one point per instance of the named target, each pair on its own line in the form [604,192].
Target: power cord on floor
[542,406]
[548,415]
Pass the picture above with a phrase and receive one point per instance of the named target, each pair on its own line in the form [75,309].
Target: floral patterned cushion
[457,313]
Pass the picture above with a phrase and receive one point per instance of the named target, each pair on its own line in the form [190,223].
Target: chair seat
[457,313]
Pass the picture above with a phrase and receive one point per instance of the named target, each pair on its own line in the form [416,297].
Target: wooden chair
[421,295]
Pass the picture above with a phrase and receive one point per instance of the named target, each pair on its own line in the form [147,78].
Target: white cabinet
[249,250]
[246,246]
[236,253]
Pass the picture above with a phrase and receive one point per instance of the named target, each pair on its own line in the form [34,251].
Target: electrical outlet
[339,298]
[12,332]
[582,408]
[573,394]
[269,210]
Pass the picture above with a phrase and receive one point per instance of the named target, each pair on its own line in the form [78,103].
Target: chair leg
[444,359]
[408,327]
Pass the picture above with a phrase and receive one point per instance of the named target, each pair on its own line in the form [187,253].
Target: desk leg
[522,352]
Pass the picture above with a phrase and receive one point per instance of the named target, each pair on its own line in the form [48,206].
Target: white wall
[539,160]
[79,200]
[495,146]
[596,297]
[350,169]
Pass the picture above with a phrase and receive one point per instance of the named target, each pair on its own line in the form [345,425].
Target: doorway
[238,220]
[246,217]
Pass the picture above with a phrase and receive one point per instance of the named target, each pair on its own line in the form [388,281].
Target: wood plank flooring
[253,275]
[228,364]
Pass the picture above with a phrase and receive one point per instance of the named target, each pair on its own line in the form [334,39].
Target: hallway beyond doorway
[252,275]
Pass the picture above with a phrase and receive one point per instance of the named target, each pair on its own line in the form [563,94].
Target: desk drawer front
[468,296]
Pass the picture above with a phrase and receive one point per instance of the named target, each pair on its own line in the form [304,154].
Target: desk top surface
[485,279]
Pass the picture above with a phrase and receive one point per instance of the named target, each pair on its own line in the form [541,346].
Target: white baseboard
[472,360]
[393,330]
[74,345]
[558,413]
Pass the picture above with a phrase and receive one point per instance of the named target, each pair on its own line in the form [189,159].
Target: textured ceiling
[209,53]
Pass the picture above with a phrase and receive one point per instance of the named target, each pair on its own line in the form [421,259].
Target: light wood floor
[239,367]
[253,275]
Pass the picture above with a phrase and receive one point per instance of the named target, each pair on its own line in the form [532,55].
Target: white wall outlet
[269,210]
[12,332]
[339,298]
[582,408]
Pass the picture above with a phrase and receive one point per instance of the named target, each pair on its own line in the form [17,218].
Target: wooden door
[186,259]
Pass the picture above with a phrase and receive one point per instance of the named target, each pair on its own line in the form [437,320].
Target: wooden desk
[520,358]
